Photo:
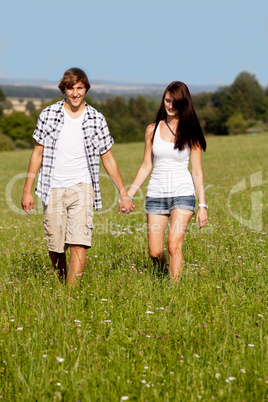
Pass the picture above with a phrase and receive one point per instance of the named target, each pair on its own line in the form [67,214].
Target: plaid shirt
[97,140]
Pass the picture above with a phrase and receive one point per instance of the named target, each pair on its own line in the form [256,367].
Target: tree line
[239,108]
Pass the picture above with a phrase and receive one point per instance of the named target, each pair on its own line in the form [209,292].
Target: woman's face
[169,105]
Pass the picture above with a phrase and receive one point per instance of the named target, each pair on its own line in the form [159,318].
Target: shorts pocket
[89,223]
[46,225]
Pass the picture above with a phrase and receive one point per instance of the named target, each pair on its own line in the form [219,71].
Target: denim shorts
[164,205]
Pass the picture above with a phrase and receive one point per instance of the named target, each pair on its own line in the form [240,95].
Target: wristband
[131,197]
[203,205]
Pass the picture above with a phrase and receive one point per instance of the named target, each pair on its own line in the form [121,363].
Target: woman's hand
[126,205]
[201,217]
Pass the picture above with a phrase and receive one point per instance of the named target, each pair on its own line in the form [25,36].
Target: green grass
[196,337]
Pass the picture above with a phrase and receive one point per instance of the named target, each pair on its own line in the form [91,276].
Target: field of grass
[127,333]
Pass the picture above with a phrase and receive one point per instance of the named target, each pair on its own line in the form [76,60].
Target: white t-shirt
[170,176]
[71,166]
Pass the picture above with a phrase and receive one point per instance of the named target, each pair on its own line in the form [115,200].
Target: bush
[6,143]
[18,126]
[21,144]
[236,124]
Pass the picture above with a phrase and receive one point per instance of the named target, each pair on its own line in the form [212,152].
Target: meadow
[127,333]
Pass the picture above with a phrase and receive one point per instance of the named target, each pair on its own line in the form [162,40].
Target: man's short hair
[71,77]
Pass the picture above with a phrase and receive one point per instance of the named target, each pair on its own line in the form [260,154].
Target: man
[70,136]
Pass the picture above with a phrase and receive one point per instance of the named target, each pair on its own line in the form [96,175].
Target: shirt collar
[88,111]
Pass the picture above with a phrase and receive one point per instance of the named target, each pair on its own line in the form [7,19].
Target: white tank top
[170,176]
[71,166]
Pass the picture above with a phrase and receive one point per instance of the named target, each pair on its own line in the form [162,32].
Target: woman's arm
[196,161]
[147,163]
[111,168]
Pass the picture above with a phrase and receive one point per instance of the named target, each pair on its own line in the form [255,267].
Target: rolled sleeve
[106,141]
[38,134]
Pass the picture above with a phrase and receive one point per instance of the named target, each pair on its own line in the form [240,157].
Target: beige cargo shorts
[68,217]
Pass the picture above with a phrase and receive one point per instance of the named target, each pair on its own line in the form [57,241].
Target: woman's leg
[156,225]
[179,220]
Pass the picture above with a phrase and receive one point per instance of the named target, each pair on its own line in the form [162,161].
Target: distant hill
[24,91]
[100,90]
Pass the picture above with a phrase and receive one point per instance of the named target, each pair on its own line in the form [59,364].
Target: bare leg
[59,262]
[156,231]
[178,224]
[76,265]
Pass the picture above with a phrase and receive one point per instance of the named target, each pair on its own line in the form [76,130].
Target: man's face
[75,95]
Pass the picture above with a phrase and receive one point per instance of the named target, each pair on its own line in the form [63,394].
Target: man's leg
[76,265]
[79,228]
[59,262]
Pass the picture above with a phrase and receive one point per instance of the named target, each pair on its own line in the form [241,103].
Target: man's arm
[34,165]
[111,168]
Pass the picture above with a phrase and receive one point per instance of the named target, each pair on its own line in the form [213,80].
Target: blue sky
[140,41]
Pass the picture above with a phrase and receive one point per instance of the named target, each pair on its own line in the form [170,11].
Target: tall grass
[127,332]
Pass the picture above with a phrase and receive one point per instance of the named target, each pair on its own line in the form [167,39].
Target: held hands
[126,205]
[201,217]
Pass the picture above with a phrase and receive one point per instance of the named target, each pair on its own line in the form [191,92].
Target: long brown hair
[189,131]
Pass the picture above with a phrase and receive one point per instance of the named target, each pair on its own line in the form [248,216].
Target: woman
[173,137]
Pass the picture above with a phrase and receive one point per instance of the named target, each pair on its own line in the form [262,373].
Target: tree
[30,106]
[7,105]
[139,110]
[2,100]
[201,99]
[246,96]
[265,109]
[211,120]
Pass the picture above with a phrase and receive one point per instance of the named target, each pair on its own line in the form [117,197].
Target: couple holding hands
[71,135]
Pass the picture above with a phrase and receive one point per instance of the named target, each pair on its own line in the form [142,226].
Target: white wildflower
[124,398]
[20,329]
[251,345]
[143,381]
[197,356]
[243,371]
[217,375]
[60,359]
[58,384]
[149,312]
[230,379]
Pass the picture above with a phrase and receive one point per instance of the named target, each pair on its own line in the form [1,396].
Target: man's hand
[126,205]
[27,203]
